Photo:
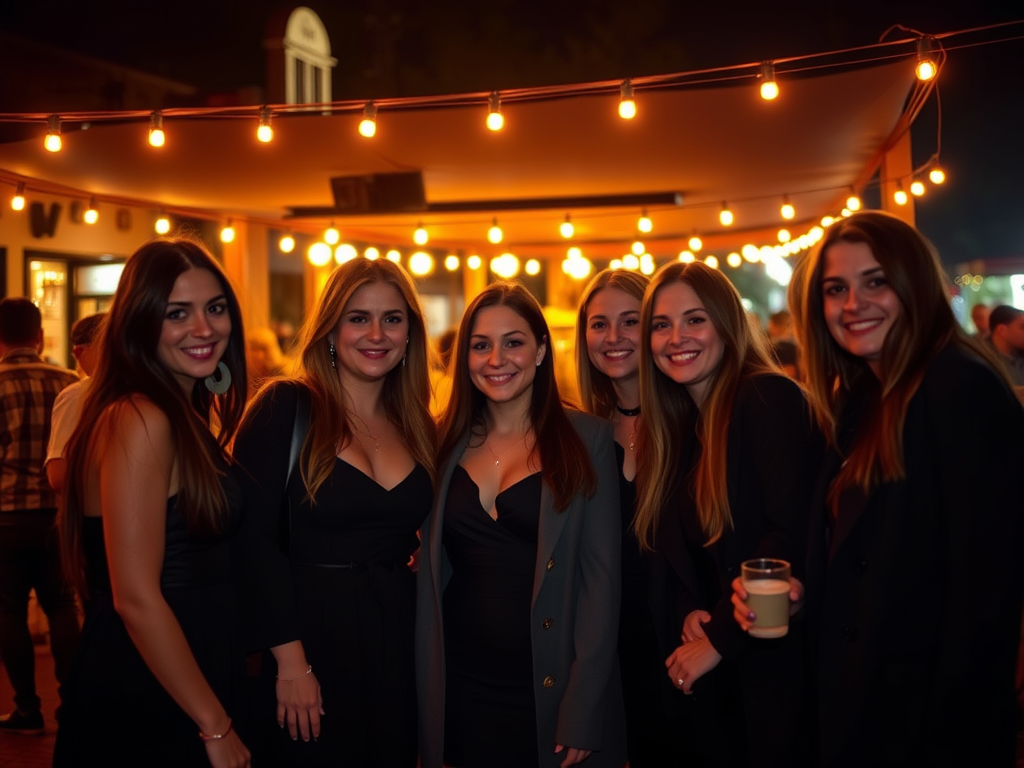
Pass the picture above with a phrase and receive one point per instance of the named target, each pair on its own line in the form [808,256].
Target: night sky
[403,48]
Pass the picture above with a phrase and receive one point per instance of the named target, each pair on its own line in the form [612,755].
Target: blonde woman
[331,594]
[726,474]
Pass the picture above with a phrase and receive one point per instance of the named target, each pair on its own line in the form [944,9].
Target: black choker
[628,411]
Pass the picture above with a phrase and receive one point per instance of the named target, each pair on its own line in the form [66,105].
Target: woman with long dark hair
[518,594]
[914,585]
[725,475]
[147,521]
[326,543]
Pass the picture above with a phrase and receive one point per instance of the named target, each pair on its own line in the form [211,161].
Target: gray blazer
[576,586]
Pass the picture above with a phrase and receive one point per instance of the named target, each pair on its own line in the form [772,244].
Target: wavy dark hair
[129,366]
[565,463]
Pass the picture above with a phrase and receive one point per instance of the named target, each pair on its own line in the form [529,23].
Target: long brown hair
[406,391]
[924,326]
[596,391]
[667,406]
[129,365]
[565,464]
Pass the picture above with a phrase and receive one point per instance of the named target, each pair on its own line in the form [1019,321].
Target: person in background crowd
[68,405]
[263,356]
[29,552]
[146,523]
[607,366]
[518,590]
[726,475]
[913,584]
[979,316]
[784,347]
[441,375]
[1006,334]
[325,543]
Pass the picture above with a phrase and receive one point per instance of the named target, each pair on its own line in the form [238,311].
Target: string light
[286,243]
[638,248]
[937,175]
[917,188]
[264,133]
[495,120]
[787,210]
[686,257]
[712,262]
[345,252]
[368,125]
[695,244]
[227,235]
[647,263]
[631,261]
[853,202]
[506,265]
[394,256]
[319,254]
[532,267]
[566,229]
[420,236]
[421,263]
[784,236]
[18,201]
[91,215]
[725,215]
[494,234]
[751,253]
[371,253]
[826,221]
[451,262]
[900,196]
[769,88]
[156,129]
[52,142]
[474,262]
[926,68]
[733,260]
[331,235]
[644,223]
[162,225]
[627,107]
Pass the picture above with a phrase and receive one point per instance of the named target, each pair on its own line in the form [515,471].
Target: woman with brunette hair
[914,585]
[726,474]
[147,521]
[518,594]
[326,543]
[608,372]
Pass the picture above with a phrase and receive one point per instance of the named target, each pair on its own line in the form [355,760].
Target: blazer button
[547,623]
[551,563]
[849,633]
[549,682]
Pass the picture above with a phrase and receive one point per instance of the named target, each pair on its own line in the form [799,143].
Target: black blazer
[914,596]
[773,454]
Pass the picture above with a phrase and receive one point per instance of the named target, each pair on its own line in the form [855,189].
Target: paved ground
[18,751]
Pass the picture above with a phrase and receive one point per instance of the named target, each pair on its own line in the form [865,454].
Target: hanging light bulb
[163,224]
[826,221]
[712,261]
[627,107]
[494,234]
[638,248]
[52,141]
[734,260]
[18,201]
[345,252]
[227,235]
[936,174]
[751,253]
[368,125]
[566,229]
[421,263]
[787,210]
[91,215]
[451,262]
[371,253]
[532,267]
[286,243]
[319,254]
[644,223]
[506,265]
[332,235]
[926,68]
[264,133]
[769,88]
[686,257]
[631,261]
[474,262]
[420,236]
[784,236]
[156,129]
[725,215]
[695,244]
[394,256]
[495,120]
[917,188]
[900,196]
[853,202]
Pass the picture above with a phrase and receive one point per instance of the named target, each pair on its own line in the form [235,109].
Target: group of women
[463,594]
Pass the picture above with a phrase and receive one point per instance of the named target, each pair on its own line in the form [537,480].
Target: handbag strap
[299,430]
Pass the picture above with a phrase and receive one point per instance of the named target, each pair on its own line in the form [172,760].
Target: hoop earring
[221,385]
[330,346]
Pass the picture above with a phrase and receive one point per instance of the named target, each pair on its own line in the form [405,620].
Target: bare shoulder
[137,424]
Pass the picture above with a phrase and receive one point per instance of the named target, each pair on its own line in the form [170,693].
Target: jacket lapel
[550,527]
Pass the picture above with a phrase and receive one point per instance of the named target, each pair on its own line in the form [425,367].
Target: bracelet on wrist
[215,736]
[308,671]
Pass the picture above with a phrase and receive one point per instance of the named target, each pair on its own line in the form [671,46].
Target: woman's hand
[691,661]
[227,752]
[693,626]
[299,704]
[573,756]
[745,617]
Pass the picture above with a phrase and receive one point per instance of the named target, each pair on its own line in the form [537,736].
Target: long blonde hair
[667,406]
[406,391]
[596,391]
[925,325]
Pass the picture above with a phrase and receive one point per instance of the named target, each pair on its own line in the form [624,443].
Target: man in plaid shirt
[29,553]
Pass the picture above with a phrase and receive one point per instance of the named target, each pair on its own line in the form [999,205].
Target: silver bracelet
[309,669]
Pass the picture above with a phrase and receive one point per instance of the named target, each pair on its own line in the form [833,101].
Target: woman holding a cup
[914,584]
[725,475]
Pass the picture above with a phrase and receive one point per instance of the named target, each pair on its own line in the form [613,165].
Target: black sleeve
[261,452]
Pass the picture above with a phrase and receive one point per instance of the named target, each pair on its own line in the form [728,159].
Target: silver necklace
[366,431]
[497,456]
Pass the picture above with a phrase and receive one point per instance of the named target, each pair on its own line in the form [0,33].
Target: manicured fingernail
[751,616]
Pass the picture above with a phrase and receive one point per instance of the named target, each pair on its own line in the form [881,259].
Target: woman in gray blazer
[519,582]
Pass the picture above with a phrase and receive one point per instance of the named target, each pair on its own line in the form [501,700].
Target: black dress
[490,714]
[114,712]
[335,576]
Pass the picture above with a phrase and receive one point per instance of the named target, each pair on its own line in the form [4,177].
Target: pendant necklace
[497,456]
[630,412]
[366,431]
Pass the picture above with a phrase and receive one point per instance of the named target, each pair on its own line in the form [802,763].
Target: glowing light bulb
[451,262]
[637,248]
[162,225]
[286,243]
[319,254]
[900,196]
[734,260]
[686,257]
[574,253]
[264,133]
[853,203]
[227,235]
[695,244]
[787,210]
[18,201]
[784,236]
[769,88]
[371,253]
[750,253]
[420,236]
[926,68]
[394,256]
[725,216]
[631,261]
[494,234]
[615,264]
[368,125]
[91,215]
[474,262]
[644,223]
[712,262]
[917,188]
[156,130]
[52,141]
[421,263]
[495,120]
[937,175]
[627,107]
[566,229]
[826,221]
[532,267]
[331,235]
[345,252]
[506,265]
